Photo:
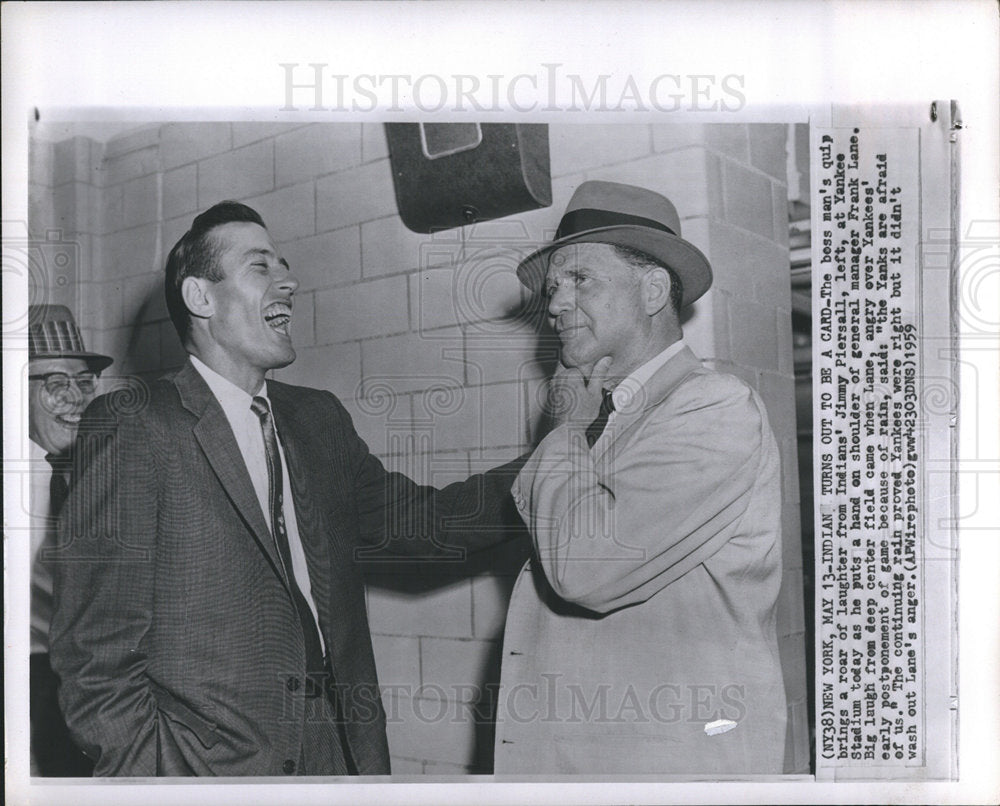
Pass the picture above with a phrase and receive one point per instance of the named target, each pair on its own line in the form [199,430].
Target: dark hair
[196,254]
[640,260]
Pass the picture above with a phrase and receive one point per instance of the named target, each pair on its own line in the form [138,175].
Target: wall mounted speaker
[451,174]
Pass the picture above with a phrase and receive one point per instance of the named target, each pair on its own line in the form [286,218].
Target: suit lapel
[664,381]
[215,436]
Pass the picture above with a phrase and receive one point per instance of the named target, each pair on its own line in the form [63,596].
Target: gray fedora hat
[626,215]
[52,333]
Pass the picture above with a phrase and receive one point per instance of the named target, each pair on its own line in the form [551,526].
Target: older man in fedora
[63,377]
[641,637]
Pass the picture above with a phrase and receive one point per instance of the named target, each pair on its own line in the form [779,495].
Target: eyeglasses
[56,383]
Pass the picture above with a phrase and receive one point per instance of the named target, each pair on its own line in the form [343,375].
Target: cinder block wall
[430,342]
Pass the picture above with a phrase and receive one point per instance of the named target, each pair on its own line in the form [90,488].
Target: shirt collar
[234,401]
[628,391]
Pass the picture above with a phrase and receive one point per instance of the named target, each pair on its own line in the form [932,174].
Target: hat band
[588,218]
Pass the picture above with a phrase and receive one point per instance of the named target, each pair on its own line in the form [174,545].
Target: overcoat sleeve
[612,529]
[103,574]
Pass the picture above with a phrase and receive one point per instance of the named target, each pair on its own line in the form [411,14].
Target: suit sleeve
[103,574]
[612,531]
[400,518]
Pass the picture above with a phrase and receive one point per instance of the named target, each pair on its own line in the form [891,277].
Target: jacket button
[288,766]
[292,683]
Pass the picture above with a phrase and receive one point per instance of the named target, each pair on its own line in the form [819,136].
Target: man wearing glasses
[63,379]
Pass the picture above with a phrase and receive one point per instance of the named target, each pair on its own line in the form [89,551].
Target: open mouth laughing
[278,316]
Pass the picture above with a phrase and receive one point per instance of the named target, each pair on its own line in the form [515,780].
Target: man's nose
[288,283]
[560,300]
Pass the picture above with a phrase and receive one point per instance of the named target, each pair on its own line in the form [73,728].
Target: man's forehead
[574,256]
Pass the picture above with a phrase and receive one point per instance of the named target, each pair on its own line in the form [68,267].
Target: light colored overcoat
[641,637]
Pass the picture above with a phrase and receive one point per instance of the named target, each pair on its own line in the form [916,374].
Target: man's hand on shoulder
[575,395]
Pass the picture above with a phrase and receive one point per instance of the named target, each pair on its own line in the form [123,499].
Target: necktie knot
[259,407]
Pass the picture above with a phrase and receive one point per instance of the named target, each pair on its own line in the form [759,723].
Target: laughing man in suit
[641,636]
[210,614]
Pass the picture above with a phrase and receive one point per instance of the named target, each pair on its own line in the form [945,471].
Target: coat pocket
[176,710]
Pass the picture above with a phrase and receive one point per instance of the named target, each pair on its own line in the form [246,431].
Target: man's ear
[656,290]
[197,297]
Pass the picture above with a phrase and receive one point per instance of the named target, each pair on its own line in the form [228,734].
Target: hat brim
[683,257]
[96,361]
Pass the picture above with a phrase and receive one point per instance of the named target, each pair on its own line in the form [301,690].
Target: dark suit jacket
[177,641]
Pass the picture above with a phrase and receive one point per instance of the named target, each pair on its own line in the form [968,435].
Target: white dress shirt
[250,439]
[629,391]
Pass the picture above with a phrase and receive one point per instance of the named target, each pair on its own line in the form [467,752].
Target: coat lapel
[215,436]
[664,381]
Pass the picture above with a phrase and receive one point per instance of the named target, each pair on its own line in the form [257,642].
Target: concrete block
[786,362]
[247,171]
[180,191]
[316,150]
[336,368]
[181,143]
[354,196]
[360,311]
[581,147]
[100,305]
[303,328]
[397,660]
[678,175]
[388,247]
[143,299]
[701,326]
[252,131]
[319,261]
[728,140]
[414,362]
[510,355]
[127,253]
[172,231]
[289,212]
[798,734]
[41,162]
[671,136]
[431,729]
[444,612]
[768,153]
[127,166]
[790,619]
[779,194]
[456,668]
[476,418]
[490,598]
[140,202]
[70,212]
[71,161]
[135,140]
[745,265]
[753,339]
[778,393]
[465,293]
[748,201]
[791,650]
[373,143]
[108,208]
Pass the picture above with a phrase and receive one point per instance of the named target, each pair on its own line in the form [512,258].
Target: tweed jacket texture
[175,634]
